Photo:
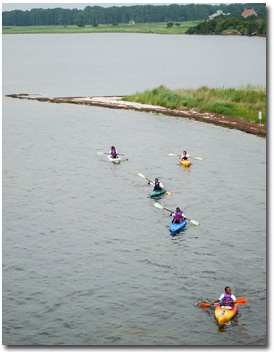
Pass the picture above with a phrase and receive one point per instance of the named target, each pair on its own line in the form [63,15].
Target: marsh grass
[159,28]
[245,102]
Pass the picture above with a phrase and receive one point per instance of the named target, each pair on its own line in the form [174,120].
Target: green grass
[244,102]
[159,28]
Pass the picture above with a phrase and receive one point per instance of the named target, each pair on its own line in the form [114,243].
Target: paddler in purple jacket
[178,216]
[226,299]
[113,152]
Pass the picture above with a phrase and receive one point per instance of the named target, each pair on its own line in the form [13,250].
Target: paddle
[239,301]
[143,176]
[193,157]
[194,222]
[101,153]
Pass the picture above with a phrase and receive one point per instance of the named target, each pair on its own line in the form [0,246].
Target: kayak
[176,227]
[157,193]
[225,314]
[114,160]
[185,162]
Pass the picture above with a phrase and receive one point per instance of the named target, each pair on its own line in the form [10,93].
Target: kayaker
[158,186]
[178,216]
[113,152]
[185,156]
[226,299]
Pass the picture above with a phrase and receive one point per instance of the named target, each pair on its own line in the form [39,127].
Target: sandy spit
[115,102]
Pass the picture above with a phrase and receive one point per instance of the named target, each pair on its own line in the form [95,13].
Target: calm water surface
[87,258]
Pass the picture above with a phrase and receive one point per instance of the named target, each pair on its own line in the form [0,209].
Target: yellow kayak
[225,314]
[185,162]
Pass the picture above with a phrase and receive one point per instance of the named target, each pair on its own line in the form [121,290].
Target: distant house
[249,12]
[218,13]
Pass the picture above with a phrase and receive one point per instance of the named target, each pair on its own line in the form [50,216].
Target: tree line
[94,15]
[238,25]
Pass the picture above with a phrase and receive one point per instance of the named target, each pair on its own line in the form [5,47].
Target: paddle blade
[172,154]
[196,157]
[241,301]
[100,153]
[195,222]
[141,175]
[203,304]
[157,205]
[168,193]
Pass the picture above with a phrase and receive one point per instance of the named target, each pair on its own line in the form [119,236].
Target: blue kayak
[176,227]
[157,193]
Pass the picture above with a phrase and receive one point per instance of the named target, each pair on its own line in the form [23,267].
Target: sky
[23,5]
[8,6]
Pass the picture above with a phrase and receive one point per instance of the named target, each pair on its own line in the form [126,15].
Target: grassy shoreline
[244,103]
[157,28]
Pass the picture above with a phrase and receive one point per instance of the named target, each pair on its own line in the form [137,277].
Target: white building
[218,13]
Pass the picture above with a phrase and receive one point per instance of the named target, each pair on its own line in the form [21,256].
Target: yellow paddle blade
[172,154]
[141,175]
[168,193]
[196,157]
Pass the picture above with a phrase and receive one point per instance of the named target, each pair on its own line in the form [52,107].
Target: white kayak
[114,160]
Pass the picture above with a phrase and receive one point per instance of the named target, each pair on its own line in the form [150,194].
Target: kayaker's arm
[217,301]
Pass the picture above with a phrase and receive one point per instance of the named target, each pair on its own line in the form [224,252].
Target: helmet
[156,179]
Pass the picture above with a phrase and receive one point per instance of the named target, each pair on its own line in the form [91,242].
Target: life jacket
[178,216]
[226,299]
[113,153]
[157,187]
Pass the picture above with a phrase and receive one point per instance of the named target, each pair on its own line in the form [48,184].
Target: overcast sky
[7,6]
[24,5]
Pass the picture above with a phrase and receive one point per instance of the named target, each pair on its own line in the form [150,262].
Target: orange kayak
[225,314]
[185,162]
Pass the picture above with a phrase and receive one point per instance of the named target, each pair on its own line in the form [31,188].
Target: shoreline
[115,102]
[144,32]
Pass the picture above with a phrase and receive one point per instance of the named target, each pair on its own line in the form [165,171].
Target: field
[159,28]
[245,102]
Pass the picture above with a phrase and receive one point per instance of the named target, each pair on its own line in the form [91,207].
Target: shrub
[177,24]
[170,24]
[95,25]
[115,24]
[80,25]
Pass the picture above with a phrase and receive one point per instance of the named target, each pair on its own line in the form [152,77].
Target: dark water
[87,258]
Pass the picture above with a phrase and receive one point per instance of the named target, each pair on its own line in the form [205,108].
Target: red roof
[249,12]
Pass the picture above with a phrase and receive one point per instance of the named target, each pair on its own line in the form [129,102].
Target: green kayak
[157,193]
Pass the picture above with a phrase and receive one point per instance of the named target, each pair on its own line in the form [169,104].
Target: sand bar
[115,102]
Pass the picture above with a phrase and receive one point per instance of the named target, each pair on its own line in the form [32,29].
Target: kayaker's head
[184,152]
[112,147]
[178,210]
[228,290]
[156,180]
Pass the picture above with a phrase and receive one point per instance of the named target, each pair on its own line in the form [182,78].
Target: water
[87,258]
[120,64]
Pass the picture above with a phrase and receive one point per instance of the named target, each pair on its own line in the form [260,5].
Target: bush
[80,25]
[95,25]
[115,24]
[177,24]
[170,24]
